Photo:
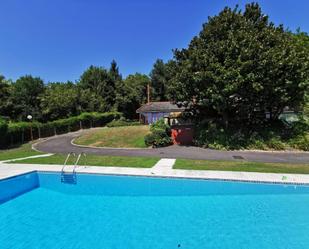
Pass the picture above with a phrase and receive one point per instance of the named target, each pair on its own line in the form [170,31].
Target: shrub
[150,139]
[257,145]
[275,135]
[160,125]
[159,136]
[275,143]
[122,122]
[3,131]
[300,143]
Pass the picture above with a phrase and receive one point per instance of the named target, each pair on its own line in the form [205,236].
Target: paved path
[28,157]
[164,163]
[62,144]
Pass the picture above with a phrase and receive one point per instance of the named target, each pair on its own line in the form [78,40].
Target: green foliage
[275,136]
[122,122]
[59,101]
[3,131]
[98,90]
[101,83]
[241,166]
[6,102]
[159,136]
[241,66]
[20,132]
[157,139]
[159,80]
[26,97]
[132,94]
[160,125]
[94,160]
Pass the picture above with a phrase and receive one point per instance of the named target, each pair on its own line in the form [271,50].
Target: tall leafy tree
[241,65]
[26,95]
[134,94]
[6,102]
[99,81]
[114,72]
[302,41]
[89,101]
[60,100]
[120,89]
[159,80]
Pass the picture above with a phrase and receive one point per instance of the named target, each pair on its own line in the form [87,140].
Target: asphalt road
[62,144]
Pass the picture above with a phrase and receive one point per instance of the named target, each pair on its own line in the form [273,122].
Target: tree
[134,94]
[241,66]
[302,41]
[89,101]
[6,102]
[159,80]
[114,72]
[60,100]
[26,96]
[99,81]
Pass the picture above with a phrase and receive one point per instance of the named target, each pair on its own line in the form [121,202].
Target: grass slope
[24,150]
[116,137]
[93,160]
[241,166]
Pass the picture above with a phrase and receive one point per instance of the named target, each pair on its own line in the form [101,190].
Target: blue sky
[58,39]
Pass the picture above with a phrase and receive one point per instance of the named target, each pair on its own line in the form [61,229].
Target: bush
[275,144]
[159,136]
[275,136]
[3,131]
[122,122]
[160,125]
[300,143]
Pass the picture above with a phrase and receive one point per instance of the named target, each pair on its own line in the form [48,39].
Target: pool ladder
[70,176]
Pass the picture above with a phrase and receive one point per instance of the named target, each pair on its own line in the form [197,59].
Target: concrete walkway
[28,157]
[62,144]
[164,163]
[8,170]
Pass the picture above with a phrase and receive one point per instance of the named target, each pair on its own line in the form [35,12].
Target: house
[153,111]
[181,128]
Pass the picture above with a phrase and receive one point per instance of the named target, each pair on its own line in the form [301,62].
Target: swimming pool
[100,211]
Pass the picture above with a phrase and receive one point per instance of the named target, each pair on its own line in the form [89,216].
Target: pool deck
[9,170]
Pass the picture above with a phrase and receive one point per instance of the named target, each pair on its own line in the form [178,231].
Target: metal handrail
[76,162]
[66,160]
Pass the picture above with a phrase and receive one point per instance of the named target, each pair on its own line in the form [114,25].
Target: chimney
[148,93]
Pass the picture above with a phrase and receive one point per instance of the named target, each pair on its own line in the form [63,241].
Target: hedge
[20,132]
[3,130]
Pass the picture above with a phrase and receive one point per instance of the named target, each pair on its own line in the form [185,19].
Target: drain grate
[238,157]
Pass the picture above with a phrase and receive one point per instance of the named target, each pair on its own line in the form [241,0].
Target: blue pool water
[122,212]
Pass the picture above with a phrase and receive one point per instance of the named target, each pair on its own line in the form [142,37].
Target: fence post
[23,136]
[39,131]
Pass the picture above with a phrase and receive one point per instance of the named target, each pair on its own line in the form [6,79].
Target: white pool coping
[9,170]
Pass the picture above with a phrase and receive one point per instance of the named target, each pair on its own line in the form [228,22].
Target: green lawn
[93,160]
[242,166]
[117,137]
[18,152]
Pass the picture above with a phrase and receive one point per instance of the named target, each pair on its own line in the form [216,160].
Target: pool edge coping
[299,183]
